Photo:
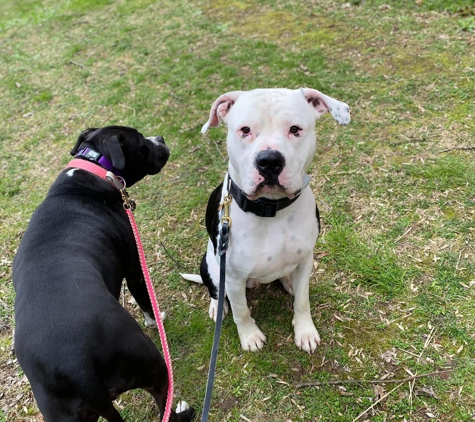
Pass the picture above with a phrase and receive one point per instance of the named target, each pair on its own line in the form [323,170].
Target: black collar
[261,207]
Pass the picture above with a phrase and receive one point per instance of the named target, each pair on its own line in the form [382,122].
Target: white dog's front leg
[306,335]
[252,338]
[213,308]
[287,284]
[213,270]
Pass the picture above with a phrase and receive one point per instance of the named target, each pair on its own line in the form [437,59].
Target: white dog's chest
[265,249]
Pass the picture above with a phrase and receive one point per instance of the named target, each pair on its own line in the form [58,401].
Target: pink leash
[156,313]
[129,206]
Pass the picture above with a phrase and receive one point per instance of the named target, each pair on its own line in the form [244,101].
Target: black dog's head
[130,153]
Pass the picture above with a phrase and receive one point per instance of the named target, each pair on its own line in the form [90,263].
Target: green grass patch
[376,266]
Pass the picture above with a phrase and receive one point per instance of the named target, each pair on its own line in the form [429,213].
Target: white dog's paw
[149,320]
[306,337]
[252,338]
[213,309]
[182,406]
[287,284]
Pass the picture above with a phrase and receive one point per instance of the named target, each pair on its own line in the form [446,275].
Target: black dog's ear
[115,151]
[82,137]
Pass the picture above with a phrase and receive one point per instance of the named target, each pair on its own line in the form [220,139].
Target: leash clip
[226,219]
[129,204]
[119,183]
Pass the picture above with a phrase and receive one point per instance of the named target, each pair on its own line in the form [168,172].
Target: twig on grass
[180,266]
[457,148]
[426,343]
[77,64]
[130,108]
[402,235]
[328,207]
[390,381]
[219,151]
[376,402]
[408,352]
[342,172]
[411,389]
[458,262]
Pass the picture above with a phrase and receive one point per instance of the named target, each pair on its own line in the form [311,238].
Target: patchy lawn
[393,285]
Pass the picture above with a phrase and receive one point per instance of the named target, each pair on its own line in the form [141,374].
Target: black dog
[78,347]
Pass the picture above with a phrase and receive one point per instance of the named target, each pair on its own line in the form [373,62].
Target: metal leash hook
[226,204]
[129,204]
[119,183]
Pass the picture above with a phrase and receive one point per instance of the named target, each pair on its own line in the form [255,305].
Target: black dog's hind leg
[100,403]
[159,389]
[160,395]
[112,415]
[138,289]
[184,416]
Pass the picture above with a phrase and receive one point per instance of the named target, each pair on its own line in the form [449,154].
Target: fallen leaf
[321,254]
[378,391]
[425,391]
[343,392]
[389,356]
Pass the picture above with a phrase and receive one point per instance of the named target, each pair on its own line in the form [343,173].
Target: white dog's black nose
[270,163]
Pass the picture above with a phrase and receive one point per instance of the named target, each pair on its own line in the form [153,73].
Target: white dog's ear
[322,103]
[220,108]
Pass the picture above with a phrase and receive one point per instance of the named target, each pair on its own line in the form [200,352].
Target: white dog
[271,143]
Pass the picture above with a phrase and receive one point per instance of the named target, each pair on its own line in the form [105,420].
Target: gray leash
[222,248]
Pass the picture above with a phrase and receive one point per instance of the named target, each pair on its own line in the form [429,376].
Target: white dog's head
[271,136]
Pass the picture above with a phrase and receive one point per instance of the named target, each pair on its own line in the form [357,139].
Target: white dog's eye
[294,130]
[246,130]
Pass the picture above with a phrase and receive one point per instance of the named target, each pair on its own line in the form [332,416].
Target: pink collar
[99,171]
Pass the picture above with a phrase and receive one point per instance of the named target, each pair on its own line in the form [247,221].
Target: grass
[394,266]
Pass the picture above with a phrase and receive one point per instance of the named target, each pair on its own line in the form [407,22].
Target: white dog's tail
[195,278]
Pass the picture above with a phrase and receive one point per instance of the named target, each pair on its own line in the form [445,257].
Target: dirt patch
[228,403]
